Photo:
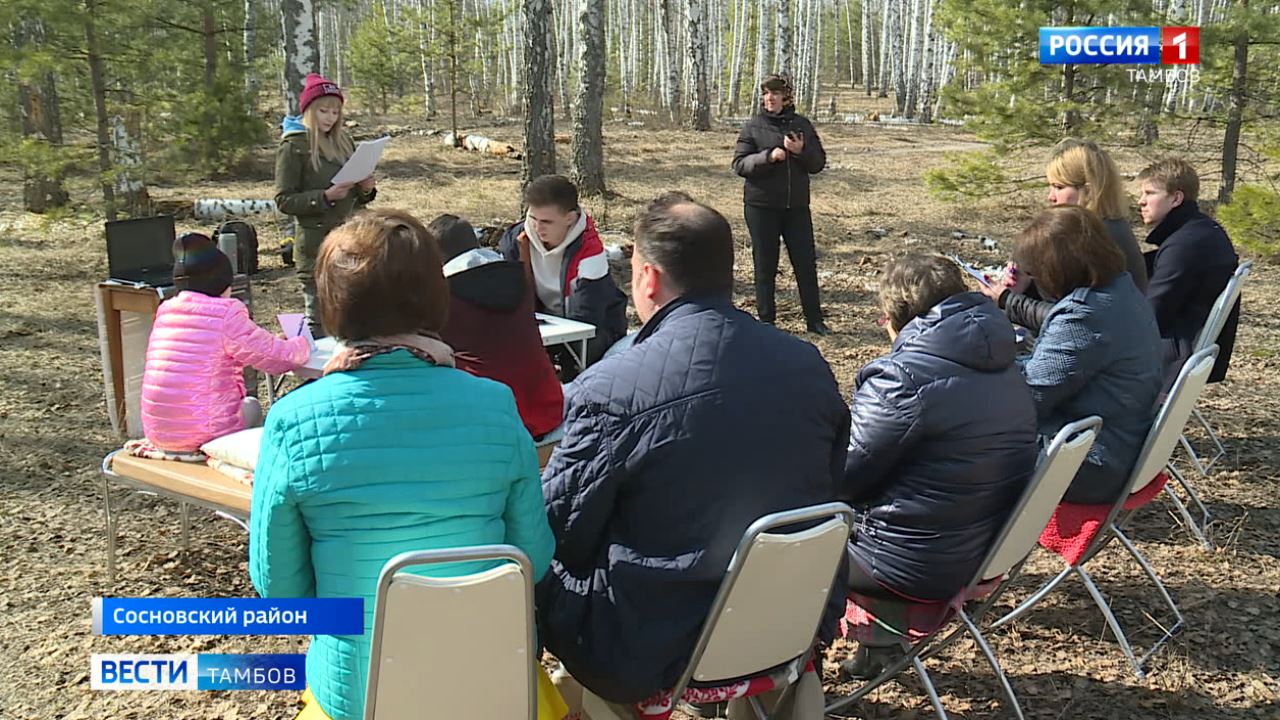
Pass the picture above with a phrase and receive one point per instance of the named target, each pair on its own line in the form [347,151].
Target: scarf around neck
[351,355]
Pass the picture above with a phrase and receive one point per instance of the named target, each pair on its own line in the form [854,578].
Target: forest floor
[868,204]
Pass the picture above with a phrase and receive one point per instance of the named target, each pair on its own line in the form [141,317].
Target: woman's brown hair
[1067,247]
[379,274]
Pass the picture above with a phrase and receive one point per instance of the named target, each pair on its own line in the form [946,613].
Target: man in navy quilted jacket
[671,449]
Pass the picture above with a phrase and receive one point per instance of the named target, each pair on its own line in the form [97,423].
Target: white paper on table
[362,162]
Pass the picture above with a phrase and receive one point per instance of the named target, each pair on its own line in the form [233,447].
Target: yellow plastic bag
[551,706]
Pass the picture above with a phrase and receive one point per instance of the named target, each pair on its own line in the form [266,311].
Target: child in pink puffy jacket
[193,385]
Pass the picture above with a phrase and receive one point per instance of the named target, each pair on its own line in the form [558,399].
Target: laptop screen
[139,245]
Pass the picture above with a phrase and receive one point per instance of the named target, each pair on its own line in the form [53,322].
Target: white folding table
[554,330]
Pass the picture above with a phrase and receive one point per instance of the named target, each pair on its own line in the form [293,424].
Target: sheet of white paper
[295,324]
[362,162]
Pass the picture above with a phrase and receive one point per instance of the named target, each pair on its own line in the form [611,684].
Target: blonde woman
[1079,173]
[311,152]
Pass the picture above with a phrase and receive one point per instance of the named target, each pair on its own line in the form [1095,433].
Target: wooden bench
[188,483]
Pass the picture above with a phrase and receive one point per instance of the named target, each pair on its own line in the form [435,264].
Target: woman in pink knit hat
[311,153]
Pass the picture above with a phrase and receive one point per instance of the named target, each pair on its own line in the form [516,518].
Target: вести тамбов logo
[1162,53]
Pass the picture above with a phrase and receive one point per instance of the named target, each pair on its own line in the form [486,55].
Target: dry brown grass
[53,432]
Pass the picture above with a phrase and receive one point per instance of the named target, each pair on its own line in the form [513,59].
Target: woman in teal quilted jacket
[392,450]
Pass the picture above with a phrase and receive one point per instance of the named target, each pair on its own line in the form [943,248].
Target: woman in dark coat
[777,151]
[943,437]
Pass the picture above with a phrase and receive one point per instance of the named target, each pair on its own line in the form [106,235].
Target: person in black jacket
[671,449]
[777,151]
[943,436]
[1190,267]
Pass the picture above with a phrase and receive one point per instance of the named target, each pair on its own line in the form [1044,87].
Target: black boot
[819,328]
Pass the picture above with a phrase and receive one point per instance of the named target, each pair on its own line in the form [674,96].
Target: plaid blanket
[146,449]
[1073,526]
[660,706]
[880,622]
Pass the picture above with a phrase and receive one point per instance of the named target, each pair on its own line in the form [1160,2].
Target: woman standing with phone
[313,150]
[777,151]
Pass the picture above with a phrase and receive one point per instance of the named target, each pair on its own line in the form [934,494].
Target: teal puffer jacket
[360,466]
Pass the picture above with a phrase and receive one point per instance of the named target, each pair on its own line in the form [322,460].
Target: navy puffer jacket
[671,449]
[942,444]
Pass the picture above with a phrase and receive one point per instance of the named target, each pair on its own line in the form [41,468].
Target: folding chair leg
[1112,622]
[186,525]
[912,654]
[929,688]
[995,664]
[1035,598]
[1164,593]
[1194,529]
[111,531]
[1219,449]
[757,707]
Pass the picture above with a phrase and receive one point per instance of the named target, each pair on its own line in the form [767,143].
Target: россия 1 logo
[1119,45]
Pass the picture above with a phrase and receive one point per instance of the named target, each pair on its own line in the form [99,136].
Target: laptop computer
[141,250]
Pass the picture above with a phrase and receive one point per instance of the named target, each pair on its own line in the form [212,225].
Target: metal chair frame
[1200,364]
[970,613]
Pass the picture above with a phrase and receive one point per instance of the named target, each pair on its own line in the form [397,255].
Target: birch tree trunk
[782,60]
[250,50]
[764,49]
[913,59]
[698,55]
[670,10]
[886,44]
[300,49]
[868,73]
[587,164]
[742,12]
[539,119]
[126,144]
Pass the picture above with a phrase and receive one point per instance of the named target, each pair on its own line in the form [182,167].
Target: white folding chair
[1015,541]
[462,645]
[768,609]
[1217,320]
[1154,457]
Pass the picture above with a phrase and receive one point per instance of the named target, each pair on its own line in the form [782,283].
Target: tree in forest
[698,64]
[539,118]
[43,163]
[384,57]
[301,49]
[587,149]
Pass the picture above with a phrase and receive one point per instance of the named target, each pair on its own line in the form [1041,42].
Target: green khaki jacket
[300,187]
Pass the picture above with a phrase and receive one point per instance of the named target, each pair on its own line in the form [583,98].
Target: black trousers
[794,226]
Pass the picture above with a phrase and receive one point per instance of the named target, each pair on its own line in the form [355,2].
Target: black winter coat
[942,444]
[782,184]
[671,449]
[1192,264]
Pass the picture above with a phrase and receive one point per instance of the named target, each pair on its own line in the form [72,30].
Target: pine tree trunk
[42,187]
[250,50]
[539,122]
[587,163]
[301,52]
[97,80]
[209,33]
[673,58]
[1235,111]
[697,14]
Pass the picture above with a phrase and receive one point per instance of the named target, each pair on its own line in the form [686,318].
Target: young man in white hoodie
[559,244]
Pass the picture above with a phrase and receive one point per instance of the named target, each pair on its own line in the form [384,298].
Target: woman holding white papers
[312,151]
